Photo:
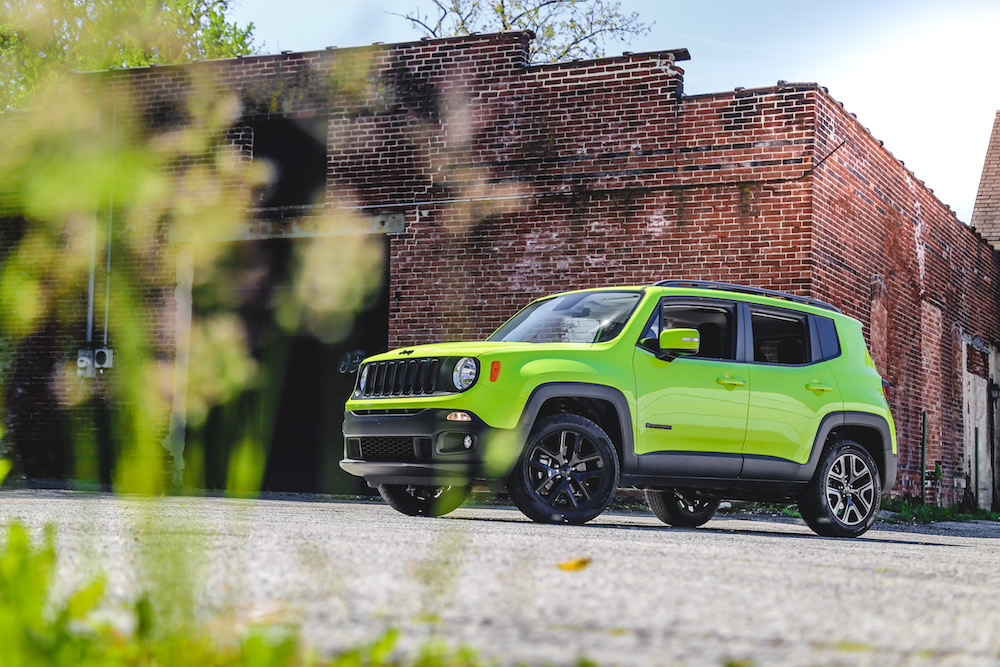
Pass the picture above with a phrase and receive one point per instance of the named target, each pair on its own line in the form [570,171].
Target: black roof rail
[743,289]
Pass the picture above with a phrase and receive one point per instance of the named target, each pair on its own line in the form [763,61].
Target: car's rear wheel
[423,500]
[681,507]
[568,472]
[845,494]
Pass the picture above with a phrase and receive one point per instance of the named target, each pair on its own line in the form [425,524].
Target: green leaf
[85,599]
[383,647]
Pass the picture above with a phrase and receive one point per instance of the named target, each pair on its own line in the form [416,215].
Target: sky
[923,76]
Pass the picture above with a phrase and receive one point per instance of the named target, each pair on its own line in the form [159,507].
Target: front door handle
[818,387]
[728,381]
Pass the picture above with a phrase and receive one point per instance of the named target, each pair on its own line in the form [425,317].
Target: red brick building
[492,182]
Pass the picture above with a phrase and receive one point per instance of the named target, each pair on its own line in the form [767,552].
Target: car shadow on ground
[760,529]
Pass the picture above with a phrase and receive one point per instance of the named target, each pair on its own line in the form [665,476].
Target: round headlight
[465,373]
[363,379]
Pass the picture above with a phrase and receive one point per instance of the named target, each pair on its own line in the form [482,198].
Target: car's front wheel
[423,500]
[844,495]
[680,507]
[567,473]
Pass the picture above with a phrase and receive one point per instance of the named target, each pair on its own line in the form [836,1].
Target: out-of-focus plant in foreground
[107,206]
[113,213]
[37,629]
[109,210]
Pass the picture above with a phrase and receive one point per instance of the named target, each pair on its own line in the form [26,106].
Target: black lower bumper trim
[413,447]
[420,474]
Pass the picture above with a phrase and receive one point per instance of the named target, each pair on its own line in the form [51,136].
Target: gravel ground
[744,587]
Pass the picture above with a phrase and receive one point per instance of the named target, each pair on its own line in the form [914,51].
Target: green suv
[693,391]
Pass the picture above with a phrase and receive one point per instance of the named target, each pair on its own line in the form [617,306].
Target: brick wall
[881,236]
[517,181]
[583,174]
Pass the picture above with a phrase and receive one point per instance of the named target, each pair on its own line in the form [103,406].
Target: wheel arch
[871,432]
[604,405]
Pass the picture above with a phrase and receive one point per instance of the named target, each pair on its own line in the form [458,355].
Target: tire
[567,473]
[423,500]
[679,507]
[844,495]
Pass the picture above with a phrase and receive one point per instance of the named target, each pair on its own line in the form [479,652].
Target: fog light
[456,443]
[459,417]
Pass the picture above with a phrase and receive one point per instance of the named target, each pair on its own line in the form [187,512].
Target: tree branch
[537,8]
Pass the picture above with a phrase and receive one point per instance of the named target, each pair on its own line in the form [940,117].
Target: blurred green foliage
[86,175]
[41,41]
[38,629]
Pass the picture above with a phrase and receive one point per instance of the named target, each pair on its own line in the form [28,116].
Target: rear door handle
[818,387]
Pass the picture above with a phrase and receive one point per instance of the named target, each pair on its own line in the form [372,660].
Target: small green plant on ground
[908,509]
[784,509]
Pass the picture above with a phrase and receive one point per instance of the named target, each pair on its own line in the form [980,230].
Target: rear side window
[829,343]
[779,338]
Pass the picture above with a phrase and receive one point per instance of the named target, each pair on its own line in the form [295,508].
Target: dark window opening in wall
[295,151]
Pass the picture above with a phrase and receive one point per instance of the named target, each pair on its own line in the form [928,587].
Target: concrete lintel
[312,227]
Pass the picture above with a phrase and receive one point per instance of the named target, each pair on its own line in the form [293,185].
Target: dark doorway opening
[296,410]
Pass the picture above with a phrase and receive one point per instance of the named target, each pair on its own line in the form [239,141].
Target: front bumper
[418,447]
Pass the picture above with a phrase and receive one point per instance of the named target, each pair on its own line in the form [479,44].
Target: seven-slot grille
[403,377]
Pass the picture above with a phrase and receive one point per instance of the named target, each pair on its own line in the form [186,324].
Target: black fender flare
[615,397]
[862,419]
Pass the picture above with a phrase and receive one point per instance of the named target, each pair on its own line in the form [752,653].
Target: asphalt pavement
[621,590]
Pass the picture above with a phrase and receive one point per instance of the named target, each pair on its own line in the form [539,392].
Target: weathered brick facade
[513,181]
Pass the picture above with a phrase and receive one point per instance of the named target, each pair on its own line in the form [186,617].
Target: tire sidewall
[531,505]
[398,497]
[815,508]
[663,504]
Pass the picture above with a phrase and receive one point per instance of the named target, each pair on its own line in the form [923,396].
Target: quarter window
[828,342]
[779,338]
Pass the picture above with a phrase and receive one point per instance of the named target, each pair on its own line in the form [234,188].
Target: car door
[791,389]
[691,410]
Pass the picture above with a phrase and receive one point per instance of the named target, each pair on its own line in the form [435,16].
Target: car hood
[473,349]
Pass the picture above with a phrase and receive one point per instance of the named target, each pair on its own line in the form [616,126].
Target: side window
[828,341]
[779,338]
[714,325]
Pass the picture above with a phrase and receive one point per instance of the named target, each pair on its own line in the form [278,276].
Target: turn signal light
[494,371]
[459,417]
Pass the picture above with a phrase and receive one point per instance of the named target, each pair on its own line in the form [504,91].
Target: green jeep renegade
[693,391]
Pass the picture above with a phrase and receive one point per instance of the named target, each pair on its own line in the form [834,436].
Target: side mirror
[678,342]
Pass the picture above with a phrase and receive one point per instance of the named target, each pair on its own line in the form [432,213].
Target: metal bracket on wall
[389,223]
[313,226]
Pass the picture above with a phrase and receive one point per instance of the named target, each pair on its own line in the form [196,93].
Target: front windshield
[582,317]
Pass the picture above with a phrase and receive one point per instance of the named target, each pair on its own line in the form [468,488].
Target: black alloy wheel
[567,473]
[423,500]
[681,507]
